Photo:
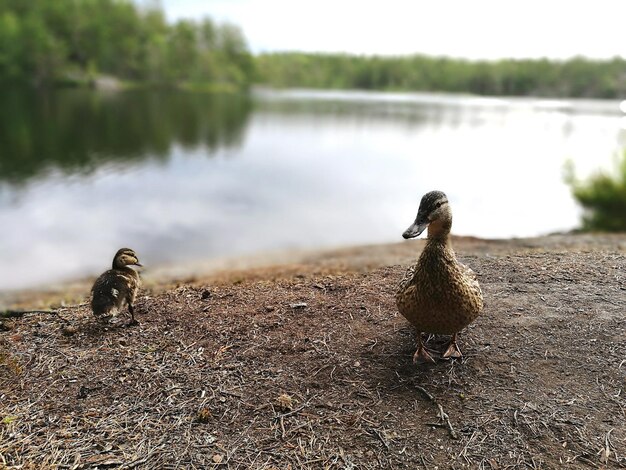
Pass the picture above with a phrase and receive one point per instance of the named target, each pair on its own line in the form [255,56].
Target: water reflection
[79,130]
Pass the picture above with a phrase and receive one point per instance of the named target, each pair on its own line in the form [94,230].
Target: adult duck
[438,294]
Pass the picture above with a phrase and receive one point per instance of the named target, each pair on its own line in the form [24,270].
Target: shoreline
[277,264]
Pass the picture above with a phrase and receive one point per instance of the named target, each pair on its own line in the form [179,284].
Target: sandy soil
[308,365]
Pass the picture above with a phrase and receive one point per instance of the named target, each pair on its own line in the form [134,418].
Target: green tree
[44,41]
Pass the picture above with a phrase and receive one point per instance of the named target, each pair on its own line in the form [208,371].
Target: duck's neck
[439,230]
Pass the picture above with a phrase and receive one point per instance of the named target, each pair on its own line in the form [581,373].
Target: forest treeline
[77,41]
[68,41]
[577,77]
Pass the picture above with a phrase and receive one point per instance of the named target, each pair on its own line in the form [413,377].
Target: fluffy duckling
[117,286]
[438,294]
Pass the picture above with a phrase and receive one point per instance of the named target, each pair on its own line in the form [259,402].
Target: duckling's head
[125,257]
[434,212]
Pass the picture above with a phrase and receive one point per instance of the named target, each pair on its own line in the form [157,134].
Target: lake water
[183,177]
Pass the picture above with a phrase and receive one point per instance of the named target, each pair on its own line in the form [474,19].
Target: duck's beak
[416,229]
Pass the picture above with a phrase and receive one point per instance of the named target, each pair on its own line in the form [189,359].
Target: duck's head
[125,257]
[434,212]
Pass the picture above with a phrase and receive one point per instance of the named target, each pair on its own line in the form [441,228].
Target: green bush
[603,196]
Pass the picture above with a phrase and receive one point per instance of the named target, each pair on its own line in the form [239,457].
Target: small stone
[69,330]
[217,458]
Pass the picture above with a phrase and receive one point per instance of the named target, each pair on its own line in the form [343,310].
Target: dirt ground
[308,365]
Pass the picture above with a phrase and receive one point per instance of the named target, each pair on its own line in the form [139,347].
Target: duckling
[117,286]
[438,294]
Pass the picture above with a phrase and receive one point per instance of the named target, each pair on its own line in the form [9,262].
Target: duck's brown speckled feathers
[116,287]
[438,294]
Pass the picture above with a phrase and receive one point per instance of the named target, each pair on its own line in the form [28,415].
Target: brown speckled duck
[117,286]
[438,294]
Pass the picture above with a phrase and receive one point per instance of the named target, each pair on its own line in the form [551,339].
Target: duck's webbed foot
[422,354]
[453,350]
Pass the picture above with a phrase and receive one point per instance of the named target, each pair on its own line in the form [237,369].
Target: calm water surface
[183,177]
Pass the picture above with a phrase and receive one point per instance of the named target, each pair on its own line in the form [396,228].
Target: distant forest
[577,77]
[44,42]
[67,41]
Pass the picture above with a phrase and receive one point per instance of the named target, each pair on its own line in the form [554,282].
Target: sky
[477,29]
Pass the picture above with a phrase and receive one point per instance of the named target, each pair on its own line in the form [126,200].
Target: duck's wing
[467,271]
[470,276]
[408,277]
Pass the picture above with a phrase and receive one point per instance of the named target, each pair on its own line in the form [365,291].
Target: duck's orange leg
[453,349]
[422,354]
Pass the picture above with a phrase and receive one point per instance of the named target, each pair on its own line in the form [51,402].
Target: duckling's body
[438,294]
[117,287]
